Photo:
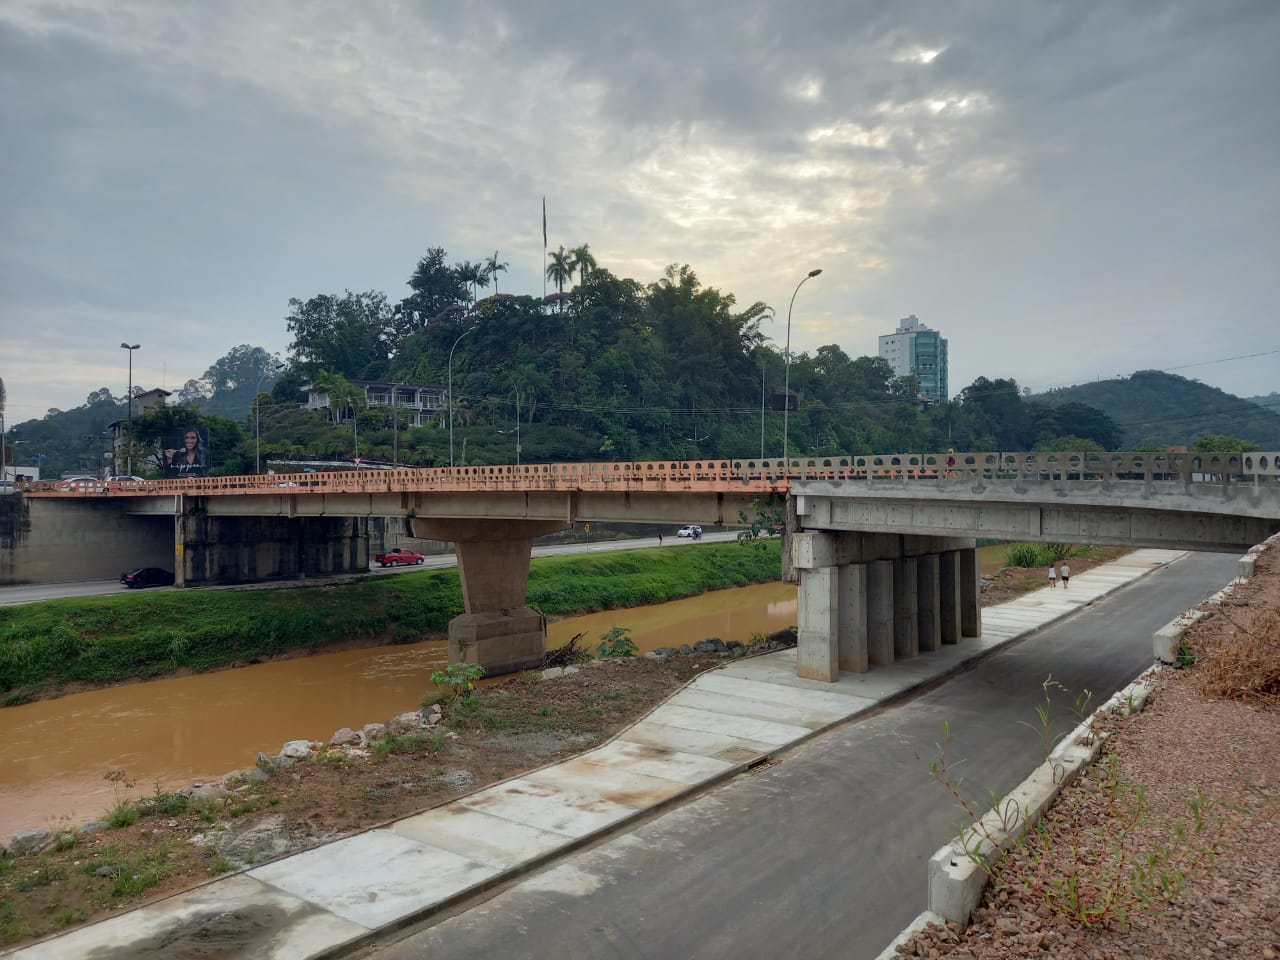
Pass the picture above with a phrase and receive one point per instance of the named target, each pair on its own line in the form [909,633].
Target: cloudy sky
[1067,190]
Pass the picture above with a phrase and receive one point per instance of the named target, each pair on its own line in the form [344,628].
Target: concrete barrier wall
[57,541]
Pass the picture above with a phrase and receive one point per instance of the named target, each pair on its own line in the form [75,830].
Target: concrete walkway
[329,900]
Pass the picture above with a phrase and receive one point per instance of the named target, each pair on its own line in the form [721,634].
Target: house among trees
[421,405]
[143,402]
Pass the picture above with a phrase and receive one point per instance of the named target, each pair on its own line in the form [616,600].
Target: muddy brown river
[55,754]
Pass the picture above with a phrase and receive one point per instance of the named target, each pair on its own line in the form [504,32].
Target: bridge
[883,545]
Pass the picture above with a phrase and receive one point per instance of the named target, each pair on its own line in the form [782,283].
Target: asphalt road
[822,854]
[33,592]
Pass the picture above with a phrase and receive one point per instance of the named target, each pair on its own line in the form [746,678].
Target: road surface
[823,853]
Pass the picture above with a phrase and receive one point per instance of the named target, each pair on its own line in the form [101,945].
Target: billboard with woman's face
[186,452]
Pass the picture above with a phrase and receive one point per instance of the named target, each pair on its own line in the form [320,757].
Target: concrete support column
[906,625]
[498,631]
[853,617]
[817,641]
[928,588]
[880,613]
[970,594]
[949,595]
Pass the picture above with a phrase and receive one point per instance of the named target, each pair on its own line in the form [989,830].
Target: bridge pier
[866,600]
[221,549]
[499,630]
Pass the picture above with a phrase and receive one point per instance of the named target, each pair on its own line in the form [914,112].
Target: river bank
[61,646]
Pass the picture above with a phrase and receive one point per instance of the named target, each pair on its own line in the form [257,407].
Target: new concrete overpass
[883,545]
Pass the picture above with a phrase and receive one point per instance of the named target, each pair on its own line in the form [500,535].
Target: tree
[436,287]
[472,275]
[352,334]
[1218,443]
[560,270]
[582,261]
[1071,444]
[492,268]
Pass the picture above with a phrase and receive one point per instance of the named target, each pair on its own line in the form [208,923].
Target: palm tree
[560,270]
[472,274]
[492,268]
[583,261]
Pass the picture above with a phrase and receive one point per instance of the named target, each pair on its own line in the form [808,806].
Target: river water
[54,754]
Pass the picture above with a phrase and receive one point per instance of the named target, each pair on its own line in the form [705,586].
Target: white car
[693,531]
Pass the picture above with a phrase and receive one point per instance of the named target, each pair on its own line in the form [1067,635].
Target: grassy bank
[138,635]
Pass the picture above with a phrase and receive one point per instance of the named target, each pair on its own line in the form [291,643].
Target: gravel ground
[1183,745]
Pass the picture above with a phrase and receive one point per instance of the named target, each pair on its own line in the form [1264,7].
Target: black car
[147,577]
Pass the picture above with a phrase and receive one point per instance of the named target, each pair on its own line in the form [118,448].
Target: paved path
[336,897]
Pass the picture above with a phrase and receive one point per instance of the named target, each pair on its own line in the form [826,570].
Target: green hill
[1154,407]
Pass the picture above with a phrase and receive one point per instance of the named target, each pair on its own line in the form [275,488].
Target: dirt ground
[1208,741]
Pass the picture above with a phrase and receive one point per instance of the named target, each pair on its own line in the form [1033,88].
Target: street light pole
[451,349]
[786,400]
[257,418]
[130,348]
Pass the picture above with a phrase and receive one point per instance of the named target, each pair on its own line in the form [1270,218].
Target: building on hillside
[422,405]
[117,430]
[915,349]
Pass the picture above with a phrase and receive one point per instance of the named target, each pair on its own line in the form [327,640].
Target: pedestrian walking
[1053,576]
[659,539]
[1066,575]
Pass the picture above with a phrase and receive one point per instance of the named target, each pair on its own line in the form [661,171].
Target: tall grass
[1037,554]
[134,635]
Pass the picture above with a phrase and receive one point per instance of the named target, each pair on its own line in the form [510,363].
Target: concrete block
[1166,641]
[501,641]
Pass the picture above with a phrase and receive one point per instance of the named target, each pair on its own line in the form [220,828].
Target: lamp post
[257,417]
[130,348]
[786,400]
[451,349]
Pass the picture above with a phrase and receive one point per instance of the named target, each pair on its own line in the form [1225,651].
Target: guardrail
[736,475]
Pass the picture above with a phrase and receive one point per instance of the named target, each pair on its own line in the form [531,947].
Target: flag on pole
[544,223]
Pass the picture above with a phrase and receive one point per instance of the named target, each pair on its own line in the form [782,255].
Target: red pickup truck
[397,557]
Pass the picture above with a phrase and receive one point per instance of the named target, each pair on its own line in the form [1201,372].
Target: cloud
[1065,190]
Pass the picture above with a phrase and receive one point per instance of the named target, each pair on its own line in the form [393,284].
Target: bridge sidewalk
[330,900]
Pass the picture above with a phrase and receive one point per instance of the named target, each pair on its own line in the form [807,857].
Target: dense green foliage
[606,368]
[1155,409]
[103,639]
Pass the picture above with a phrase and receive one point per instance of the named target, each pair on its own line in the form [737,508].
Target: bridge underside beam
[604,505]
[866,600]
[1121,525]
